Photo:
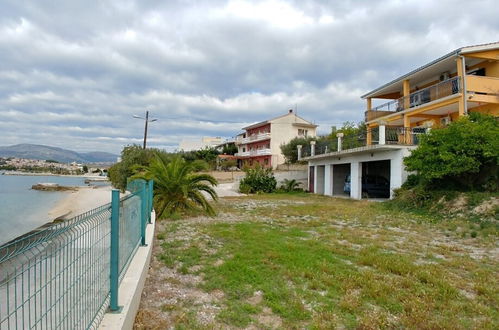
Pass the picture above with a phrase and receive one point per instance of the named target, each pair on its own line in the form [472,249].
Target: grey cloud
[72,73]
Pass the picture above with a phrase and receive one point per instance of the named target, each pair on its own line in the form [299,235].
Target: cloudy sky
[72,73]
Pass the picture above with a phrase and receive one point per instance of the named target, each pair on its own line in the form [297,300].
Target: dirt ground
[324,263]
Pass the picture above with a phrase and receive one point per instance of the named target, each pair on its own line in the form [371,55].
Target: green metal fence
[66,275]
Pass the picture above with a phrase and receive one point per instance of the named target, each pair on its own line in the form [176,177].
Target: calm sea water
[23,209]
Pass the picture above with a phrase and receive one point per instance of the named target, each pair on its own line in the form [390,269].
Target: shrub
[290,185]
[464,155]
[200,165]
[258,180]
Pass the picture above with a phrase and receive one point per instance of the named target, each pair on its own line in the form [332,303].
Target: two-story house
[429,97]
[261,142]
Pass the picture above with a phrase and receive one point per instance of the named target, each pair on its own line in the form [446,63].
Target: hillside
[35,151]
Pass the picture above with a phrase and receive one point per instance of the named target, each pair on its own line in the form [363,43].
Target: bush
[464,155]
[200,165]
[258,180]
[290,185]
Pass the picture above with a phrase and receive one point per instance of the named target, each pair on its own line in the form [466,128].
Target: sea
[23,209]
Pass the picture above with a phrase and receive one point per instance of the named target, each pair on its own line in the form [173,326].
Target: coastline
[86,175]
[81,200]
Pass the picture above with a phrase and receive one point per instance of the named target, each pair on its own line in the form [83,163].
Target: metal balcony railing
[259,152]
[253,138]
[429,94]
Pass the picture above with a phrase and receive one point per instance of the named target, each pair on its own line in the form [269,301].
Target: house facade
[429,97]
[261,142]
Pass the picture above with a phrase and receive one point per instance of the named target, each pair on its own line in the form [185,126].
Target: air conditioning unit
[415,99]
[445,121]
[444,75]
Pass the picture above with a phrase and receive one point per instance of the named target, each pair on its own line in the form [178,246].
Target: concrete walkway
[228,189]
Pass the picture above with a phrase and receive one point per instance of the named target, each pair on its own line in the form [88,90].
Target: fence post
[340,141]
[115,237]
[143,205]
[151,199]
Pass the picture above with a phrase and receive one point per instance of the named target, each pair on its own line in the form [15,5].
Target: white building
[205,142]
[261,142]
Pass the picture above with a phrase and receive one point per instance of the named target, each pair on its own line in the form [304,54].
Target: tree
[131,156]
[176,187]
[85,169]
[290,150]
[464,154]
[229,149]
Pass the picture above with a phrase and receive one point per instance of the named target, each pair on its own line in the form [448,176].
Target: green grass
[323,263]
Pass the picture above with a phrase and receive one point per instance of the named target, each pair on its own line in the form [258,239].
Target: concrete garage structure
[329,171]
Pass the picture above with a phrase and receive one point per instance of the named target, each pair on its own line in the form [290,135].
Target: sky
[73,73]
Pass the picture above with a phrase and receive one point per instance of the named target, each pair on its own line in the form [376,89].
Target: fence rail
[60,276]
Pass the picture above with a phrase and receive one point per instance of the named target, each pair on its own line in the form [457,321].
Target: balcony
[426,95]
[253,153]
[392,136]
[253,138]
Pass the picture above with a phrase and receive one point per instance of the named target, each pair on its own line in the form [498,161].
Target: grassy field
[304,261]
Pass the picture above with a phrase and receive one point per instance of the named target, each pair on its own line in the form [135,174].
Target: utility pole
[145,128]
[146,120]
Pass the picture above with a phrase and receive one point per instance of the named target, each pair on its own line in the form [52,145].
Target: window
[302,132]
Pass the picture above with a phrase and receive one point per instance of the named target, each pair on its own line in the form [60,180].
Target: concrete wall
[300,176]
[320,179]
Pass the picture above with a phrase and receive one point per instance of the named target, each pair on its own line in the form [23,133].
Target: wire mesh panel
[130,230]
[57,277]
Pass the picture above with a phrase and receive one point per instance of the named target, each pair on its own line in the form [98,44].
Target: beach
[81,200]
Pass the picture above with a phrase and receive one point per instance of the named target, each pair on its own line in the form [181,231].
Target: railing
[429,94]
[253,138]
[391,135]
[65,275]
[259,152]
[399,135]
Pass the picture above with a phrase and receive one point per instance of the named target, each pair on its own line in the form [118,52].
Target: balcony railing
[392,136]
[253,138]
[429,94]
[252,153]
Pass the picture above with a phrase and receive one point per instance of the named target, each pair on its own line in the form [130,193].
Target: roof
[359,150]
[437,62]
[278,117]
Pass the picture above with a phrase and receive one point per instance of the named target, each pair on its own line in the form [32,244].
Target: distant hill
[36,151]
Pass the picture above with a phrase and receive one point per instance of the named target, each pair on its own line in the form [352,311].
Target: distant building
[205,142]
[261,142]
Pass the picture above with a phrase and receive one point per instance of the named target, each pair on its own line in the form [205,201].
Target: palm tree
[176,187]
[290,185]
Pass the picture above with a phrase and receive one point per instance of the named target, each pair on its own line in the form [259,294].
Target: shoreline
[86,175]
[79,201]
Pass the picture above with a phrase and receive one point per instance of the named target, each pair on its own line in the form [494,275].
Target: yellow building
[463,81]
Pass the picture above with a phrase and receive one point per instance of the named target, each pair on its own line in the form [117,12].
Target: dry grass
[303,261]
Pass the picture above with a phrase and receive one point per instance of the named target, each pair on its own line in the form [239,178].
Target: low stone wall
[300,176]
[292,167]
